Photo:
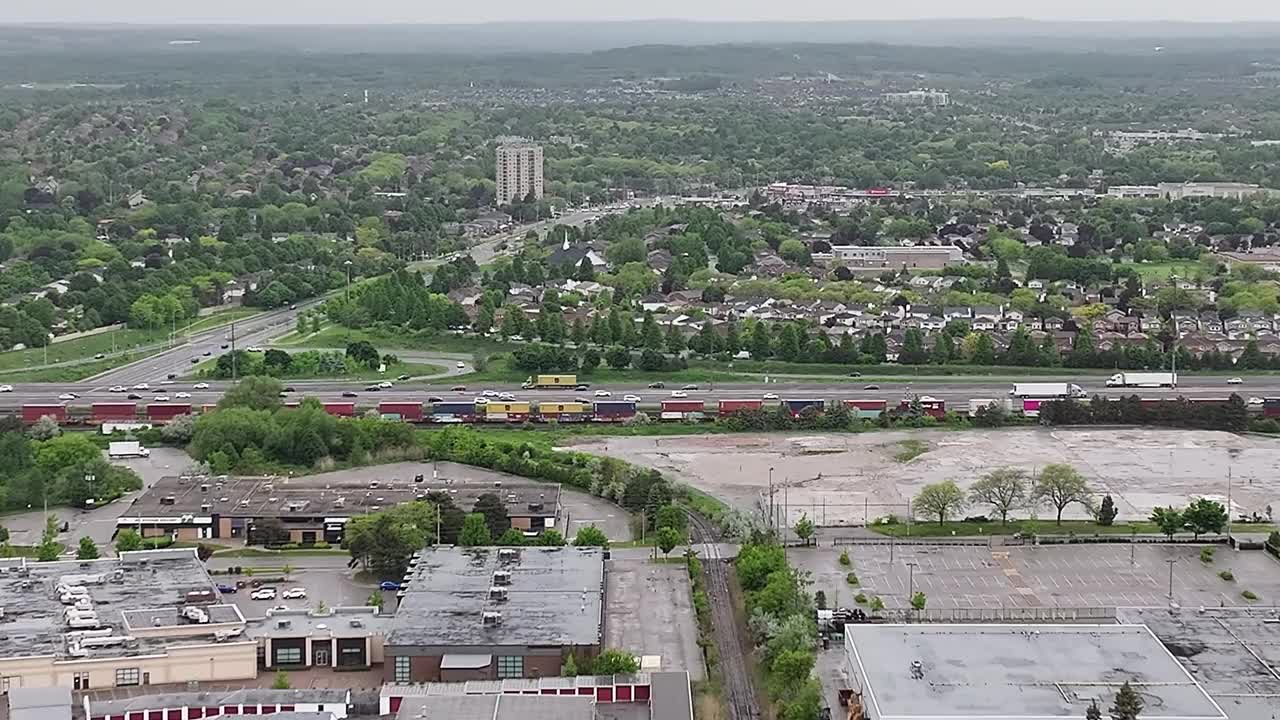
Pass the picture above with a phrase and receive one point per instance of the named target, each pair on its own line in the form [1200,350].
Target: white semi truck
[1047,390]
[1147,380]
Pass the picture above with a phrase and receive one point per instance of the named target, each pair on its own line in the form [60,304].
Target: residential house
[1051,324]
[651,303]
[1210,322]
[957,313]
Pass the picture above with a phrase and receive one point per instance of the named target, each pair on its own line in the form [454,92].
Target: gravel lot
[845,479]
[650,612]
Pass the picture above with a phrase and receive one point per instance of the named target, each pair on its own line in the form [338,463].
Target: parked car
[207,353]
[389,585]
[226,345]
[227,589]
[266,593]
[461,365]
[657,385]
[294,594]
[99,356]
[195,361]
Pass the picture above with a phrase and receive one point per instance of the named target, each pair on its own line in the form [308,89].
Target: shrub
[852,579]
[844,559]
[1206,555]
[1248,595]
[860,598]
[877,604]
[1227,575]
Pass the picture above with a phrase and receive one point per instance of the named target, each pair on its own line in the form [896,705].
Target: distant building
[935,98]
[926,257]
[519,171]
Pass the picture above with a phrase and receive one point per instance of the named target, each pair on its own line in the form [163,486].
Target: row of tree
[1005,490]
[1230,415]
[40,464]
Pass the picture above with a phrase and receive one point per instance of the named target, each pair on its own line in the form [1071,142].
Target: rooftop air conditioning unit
[206,507]
[491,618]
[501,577]
[497,593]
[507,554]
[168,500]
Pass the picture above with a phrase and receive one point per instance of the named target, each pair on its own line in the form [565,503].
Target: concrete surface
[650,612]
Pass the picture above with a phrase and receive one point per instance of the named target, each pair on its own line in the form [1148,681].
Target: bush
[1206,555]
[1248,595]
[844,559]
[877,604]
[860,598]
[1227,575]
[852,579]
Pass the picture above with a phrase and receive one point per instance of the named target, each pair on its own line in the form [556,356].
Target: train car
[798,406]
[867,409]
[931,406]
[113,412]
[208,408]
[505,411]
[728,407]
[164,412]
[563,411]
[682,409]
[1271,407]
[32,413]
[1031,406]
[613,410]
[340,409]
[407,411]
[453,412]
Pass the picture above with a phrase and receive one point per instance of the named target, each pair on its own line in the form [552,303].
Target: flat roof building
[518,172]
[342,638]
[147,617]
[323,703]
[1029,672]
[316,508]
[642,696]
[495,613]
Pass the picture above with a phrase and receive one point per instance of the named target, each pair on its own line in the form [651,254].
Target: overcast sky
[452,11]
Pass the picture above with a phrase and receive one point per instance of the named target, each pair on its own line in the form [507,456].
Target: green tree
[590,536]
[1205,516]
[494,511]
[650,333]
[803,529]
[66,451]
[570,667]
[1060,485]
[385,540]
[281,681]
[1003,489]
[1127,705]
[618,357]
[87,550]
[1168,519]
[615,662]
[510,538]
[760,345]
[943,349]
[254,393]
[128,540]
[940,500]
[913,352]
[918,601]
[549,538]
[364,353]
[1107,511]
[984,352]
[668,539]
[475,531]
[1093,712]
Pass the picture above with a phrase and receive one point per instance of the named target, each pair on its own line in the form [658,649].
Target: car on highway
[1257,401]
[461,365]
[294,594]
[99,356]
[771,396]
[506,396]
[116,388]
[134,396]
[871,387]
[183,395]
[679,394]
[481,401]
[490,393]
[207,353]
[195,361]
[289,388]
[458,388]
[657,385]
[349,394]
[385,384]
[435,399]
[200,386]
[389,585]
[142,386]
[6,388]
[631,398]
[227,589]
[160,398]
[166,382]
[265,593]
[403,377]
[689,387]
[602,393]
[1235,381]
[372,388]
[68,396]
[254,348]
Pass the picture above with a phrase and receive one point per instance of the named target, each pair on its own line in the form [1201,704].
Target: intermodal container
[683,406]
[614,410]
[340,409]
[563,411]
[453,412]
[1271,407]
[1031,408]
[933,407]
[114,412]
[211,407]
[506,411]
[798,406]
[33,413]
[408,411]
[867,409]
[164,412]
[728,407]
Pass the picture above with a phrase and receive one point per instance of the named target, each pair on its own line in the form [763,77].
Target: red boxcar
[933,407]
[683,406]
[733,406]
[341,409]
[164,412]
[410,411]
[115,412]
[33,413]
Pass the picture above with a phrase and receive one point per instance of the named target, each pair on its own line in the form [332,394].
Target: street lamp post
[1171,561]
[911,585]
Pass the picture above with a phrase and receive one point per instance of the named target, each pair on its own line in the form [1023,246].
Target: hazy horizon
[331,12]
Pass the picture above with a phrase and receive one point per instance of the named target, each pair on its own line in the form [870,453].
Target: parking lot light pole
[911,586]
[1171,561]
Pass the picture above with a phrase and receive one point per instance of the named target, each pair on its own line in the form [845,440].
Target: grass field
[925,528]
[336,337]
[81,348]
[219,319]
[1161,271]
[69,373]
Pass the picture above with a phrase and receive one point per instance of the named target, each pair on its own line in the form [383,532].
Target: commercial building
[519,171]
[342,638]
[924,257]
[144,618]
[642,696]
[936,98]
[1030,672]
[496,613]
[329,704]
[316,508]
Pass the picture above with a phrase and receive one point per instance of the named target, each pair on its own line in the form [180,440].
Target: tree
[1107,512]
[385,540]
[1127,704]
[650,333]
[760,345]
[803,529]
[618,357]
[590,536]
[1060,485]
[510,538]
[1205,516]
[364,353]
[1168,519]
[254,392]
[66,451]
[46,428]
[87,550]
[918,600]
[668,539]
[1003,489]
[494,511]
[1093,712]
[912,352]
[570,667]
[127,540]
[549,538]
[281,681]
[940,500]
[475,531]
[615,662]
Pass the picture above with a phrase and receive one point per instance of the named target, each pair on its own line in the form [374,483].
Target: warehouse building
[316,508]
[144,618]
[341,638]
[1029,672]
[496,613]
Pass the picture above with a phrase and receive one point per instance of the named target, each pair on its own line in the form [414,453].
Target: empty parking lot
[650,612]
[1059,576]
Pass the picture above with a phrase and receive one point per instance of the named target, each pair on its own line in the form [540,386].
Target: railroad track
[739,684]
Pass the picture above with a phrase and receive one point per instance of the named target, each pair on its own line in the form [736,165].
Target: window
[288,656]
[80,681]
[510,666]
[402,672]
[128,676]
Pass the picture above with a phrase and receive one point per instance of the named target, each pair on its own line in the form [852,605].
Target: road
[955,391]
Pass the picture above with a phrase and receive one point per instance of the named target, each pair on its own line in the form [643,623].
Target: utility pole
[1228,500]
[233,352]
[1171,561]
[347,294]
[911,584]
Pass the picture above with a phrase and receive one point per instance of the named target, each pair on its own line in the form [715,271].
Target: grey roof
[670,696]
[39,703]
[339,622]
[555,597]
[497,707]
[1032,672]
[128,591]
[246,696]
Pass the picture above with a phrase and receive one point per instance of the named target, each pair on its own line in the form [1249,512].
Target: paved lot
[848,478]
[1046,576]
[650,612]
[334,586]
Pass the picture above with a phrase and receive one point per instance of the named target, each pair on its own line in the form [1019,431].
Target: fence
[999,615]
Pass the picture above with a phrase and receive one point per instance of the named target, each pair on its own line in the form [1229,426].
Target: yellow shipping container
[560,408]
[506,408]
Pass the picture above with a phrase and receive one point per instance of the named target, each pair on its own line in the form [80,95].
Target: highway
[955,391]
